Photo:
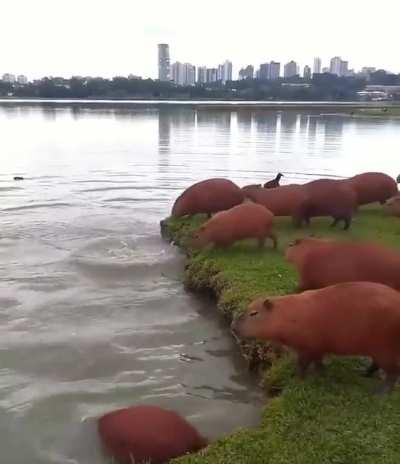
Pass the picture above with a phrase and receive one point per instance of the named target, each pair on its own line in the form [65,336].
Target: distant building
[183,73]
[317,65]
[164,68]
[212,75]
[201,74]
[325,70]
[366,70]
[226,71]
[10,78]
[307,73]
[274,70]
[246,73]
[263,71]
[22,80]
[290,69]
[339,66]
[134,77]
[177,73]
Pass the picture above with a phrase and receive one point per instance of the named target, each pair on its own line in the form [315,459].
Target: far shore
[380,108]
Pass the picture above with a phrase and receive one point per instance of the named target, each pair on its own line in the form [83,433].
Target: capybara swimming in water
[393,205]
[349,319]
[273,183]
[282,201]
[323,262]
[326,197]
[247,220]
[373,186]
[208,196]
[147,434]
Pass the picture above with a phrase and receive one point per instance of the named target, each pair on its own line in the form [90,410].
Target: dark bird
[273,183]
[18,178]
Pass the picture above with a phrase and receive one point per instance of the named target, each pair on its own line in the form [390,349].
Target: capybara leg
[371,369]
[335,221]
[261,242]
[274,240]
[347,223]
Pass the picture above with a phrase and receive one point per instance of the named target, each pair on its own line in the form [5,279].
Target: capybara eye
[253,313]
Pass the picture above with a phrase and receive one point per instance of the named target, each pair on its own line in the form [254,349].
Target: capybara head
[297,247]
[200,237]
[253,322]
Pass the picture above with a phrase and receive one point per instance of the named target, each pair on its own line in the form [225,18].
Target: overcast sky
[118,37]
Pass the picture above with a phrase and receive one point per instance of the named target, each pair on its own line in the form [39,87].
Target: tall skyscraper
[183,73]
[307,73]
[10,78]
[274,70]
[344,68]
[226,71]
[336,65]
[264,71]
[317,65]
[290,69]
[164,68]
[212,74]
[246,73]
[201,74]
[178,73]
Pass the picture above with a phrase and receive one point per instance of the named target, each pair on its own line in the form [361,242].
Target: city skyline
[91,39]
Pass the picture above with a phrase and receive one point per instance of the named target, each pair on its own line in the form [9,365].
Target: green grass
[384,111]
[331,417]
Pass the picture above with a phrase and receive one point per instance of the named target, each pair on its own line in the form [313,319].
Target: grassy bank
[381,112]
[328,418]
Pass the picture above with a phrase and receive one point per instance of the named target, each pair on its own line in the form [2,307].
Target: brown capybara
[326,197]
[323,262]
[147,434]
[282,201]
[273,183]
[349,319]
[208,196]
[373,186]
[247,220]
[393,206]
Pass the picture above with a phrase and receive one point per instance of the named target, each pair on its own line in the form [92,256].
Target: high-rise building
[317,65]
[177,73]
[183,73]
[226,71]
[247,72]
[164,68]
[290,69]
[212,74]
[201,74]
[344,68]
[307,73]
[325,70]
[274,70]
[22,80]
[10,78]
[264,71]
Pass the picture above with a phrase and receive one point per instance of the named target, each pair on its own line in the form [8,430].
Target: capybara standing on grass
[326,197]
[282,201]
[147,434]
[348,319]
[323,262]
[373,186]
[247,220]
[208,196]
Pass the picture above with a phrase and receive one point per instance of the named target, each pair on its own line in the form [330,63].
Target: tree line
[325,87]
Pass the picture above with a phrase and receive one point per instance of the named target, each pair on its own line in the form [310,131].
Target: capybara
[323,262]
[349,319]
[147,434]
[273,183]
[282,201]
[373,186]
[247,220]
[393,206]
[326,197]
[208,196]
[251,186]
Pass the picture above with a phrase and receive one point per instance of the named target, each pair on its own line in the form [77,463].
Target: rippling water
[93,315]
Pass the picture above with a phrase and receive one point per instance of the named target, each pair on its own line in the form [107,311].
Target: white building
[307,73]
[183,73]
[9,78]
[274,70]
[290,69]
[21,79]
[317,65]
[177,73]
[202,74]
[226,71]
[339,66]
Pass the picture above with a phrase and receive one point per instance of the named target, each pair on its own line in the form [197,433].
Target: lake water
[93,315]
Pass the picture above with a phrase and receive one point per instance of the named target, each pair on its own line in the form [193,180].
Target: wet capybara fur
[326,197]
[147,434]
[208,196]
[247,220]
[347,319]
[273,183]
[323,262]
[282,201]
[373,186]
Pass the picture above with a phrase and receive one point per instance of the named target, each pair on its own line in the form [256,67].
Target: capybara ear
[268,305]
